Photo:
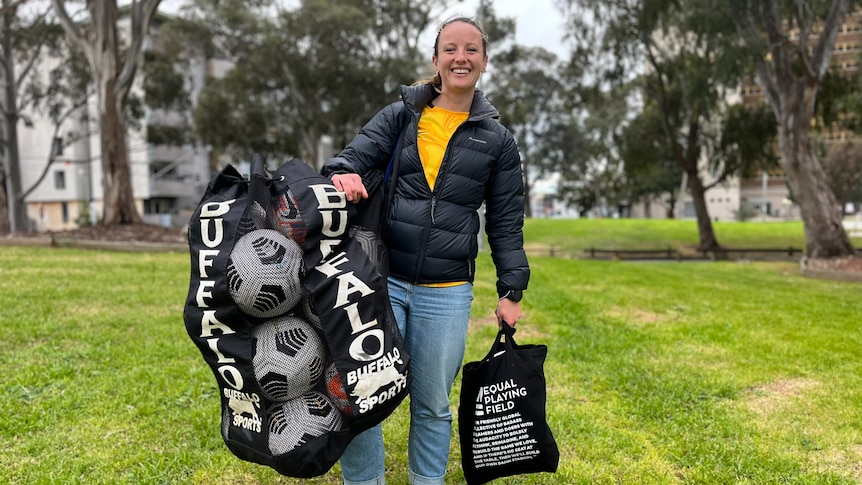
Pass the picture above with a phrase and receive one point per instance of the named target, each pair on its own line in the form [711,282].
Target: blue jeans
[433,322]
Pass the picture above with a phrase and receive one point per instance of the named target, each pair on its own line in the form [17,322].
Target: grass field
[658,373]
[576,235]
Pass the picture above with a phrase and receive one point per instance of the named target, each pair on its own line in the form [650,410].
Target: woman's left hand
[508,311]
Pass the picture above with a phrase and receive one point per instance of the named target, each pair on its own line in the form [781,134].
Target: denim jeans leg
[363,460]
[434,324]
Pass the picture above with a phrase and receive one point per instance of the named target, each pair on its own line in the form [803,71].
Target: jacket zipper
[432,220]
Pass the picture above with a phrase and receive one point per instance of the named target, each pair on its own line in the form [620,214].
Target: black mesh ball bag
[288,306]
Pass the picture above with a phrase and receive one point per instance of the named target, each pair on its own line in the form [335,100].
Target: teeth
[460,71]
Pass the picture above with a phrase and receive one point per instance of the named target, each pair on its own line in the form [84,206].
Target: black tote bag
[501,415]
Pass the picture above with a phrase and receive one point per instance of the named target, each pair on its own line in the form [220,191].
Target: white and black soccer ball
[264,273]
[255,217]
[305,309]
[295,422]
[289,357]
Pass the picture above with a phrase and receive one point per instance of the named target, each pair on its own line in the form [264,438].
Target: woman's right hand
[351,185]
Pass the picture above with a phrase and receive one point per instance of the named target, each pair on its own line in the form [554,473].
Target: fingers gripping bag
[288,306]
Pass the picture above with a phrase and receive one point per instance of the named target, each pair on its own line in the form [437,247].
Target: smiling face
[460,58]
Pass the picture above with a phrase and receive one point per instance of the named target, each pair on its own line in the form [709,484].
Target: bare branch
[142,17]
[820,59]
[51,159]
[69,25]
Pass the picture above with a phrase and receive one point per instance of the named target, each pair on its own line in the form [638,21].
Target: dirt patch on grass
[771,397]
[635,316]
[851,264]
[840,462]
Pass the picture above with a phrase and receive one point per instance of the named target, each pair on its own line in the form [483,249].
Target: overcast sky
[539,22]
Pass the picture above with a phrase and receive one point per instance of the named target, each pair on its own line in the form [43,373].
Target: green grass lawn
[576,235]
[658,373]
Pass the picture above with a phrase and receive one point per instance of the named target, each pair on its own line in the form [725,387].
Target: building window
[60,179]
[64,208]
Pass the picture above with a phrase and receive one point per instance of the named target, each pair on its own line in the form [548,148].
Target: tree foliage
[679,67]
[526,88]
[323,68]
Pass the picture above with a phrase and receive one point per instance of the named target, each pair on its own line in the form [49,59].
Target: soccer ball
[369,243]
[306,311]
[288,358]
[255,217]
[295,422]
[289,219]
[264,273]
[335,389]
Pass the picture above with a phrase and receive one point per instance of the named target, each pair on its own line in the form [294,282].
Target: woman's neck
[460,102]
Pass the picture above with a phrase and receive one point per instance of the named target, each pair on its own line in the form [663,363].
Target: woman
[454,156]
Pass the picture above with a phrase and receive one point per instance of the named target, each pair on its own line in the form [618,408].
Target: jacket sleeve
[372,147]
[504,215]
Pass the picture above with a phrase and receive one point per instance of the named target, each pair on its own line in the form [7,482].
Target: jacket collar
[418,96]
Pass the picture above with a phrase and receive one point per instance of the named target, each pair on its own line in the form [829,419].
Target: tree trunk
[17,210]
[119,201]
[708,241]
[825,236]
[113,74]
[4,210]
[116,173]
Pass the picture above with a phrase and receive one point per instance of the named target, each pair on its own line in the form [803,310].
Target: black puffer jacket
[432,236]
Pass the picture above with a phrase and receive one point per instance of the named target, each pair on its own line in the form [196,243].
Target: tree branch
[820,59]
[51,159]
[69,25]
[142,16]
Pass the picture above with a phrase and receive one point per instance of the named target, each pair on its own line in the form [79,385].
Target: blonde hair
[435,79]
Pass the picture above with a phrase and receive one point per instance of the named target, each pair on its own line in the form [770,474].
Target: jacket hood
[418,96]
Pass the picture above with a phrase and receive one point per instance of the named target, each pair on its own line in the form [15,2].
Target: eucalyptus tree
[793,44]
[113,56]
[526,87]
[648,164]
[684,68]
[321,68]
[42,77]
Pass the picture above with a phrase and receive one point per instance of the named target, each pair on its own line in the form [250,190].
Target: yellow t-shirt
[436,127]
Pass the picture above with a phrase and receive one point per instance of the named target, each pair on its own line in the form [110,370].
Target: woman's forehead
[461,31]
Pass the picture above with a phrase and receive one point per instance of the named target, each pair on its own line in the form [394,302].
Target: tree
[33,43]
[323,68]
[682,66]
[62,98]
[526,88]
[681,79]
[793,43]
[650,169]
[113,67]
[844,171]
